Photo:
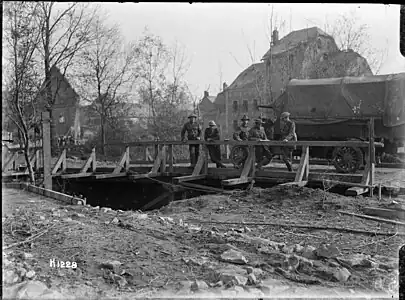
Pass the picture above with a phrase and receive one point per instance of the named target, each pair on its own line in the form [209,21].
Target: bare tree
[109,73]
[65,30]
[179,65]
[350,34]
[22,41]
[153,64]
[162,86]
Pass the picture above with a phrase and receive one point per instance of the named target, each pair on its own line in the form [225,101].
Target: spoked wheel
[239,155]
[347,159]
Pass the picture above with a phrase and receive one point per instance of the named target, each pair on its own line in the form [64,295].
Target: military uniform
[262,153]
[268,126]
[193,131]
[212,134]
[287,130]
[242,133]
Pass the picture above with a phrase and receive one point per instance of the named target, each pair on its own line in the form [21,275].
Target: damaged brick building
[303,54]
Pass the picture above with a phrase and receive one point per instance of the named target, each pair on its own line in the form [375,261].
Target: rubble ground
[215,245]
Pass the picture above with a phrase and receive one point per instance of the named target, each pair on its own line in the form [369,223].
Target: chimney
[274,37]
[206,94]
[224,86]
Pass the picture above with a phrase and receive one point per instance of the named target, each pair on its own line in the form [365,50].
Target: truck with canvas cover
[338,109]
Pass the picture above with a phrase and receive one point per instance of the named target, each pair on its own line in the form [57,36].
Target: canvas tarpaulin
[328,101]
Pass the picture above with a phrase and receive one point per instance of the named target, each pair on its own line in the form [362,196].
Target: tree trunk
[102,135]
[27,158]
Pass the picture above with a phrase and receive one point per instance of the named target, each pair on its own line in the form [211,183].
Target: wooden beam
[124,162]
[253,166]
[360,144]
[156,201]
[37,159]
[371,218]
[356,191]
[371,153]
[91,161]
[171,158]
[301,172]
[236,181]
[164,155]
[204,187]
[148,156]
[8,162]
[46,149]
[158,162]
[156,154]
[385,213]
[188,178]
[199,165]
[344,183]
[11,174]
[206,159]
[61,162]
[110,175]
[295,183]
[76,175]
[247,166]
[140,176]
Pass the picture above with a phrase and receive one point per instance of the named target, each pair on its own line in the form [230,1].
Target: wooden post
[46,149]
[206,158]
[37,159]
[228,151]
[170,158]
[156,151]
[146,153]
[253,170]
[164,157]
[371,154]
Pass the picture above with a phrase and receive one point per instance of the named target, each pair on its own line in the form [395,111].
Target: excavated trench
[130,195]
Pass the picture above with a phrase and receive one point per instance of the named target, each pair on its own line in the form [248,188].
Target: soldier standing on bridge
[262,153]
[212,134]
[193,134]
[241,134]
[287,128]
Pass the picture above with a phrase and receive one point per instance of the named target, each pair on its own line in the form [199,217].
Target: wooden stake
[46,150]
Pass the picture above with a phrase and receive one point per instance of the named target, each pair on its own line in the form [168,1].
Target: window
[245,106]
[235,124]
[255,104]
[235,106]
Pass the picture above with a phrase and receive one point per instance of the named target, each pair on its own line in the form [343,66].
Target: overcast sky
[216,35]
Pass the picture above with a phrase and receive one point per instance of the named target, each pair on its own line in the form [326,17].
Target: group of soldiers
[264,154]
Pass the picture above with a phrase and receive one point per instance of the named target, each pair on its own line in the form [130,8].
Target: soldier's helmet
[212,123]
[285,115]
[245,118]
[192,116]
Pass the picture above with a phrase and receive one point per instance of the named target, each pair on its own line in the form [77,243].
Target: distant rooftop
[293,39]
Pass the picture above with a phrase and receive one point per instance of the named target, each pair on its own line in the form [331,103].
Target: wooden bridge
[164,166]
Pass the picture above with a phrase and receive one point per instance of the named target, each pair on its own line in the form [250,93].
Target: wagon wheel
[238,156]
[347,159]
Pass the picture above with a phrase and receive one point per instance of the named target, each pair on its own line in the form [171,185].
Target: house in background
[207,109]
[308,53]
[303,54]
[65,110]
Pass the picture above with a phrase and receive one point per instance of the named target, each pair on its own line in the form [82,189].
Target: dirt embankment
[242,244]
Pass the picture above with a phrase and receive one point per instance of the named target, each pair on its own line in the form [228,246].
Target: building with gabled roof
[308,53]
[65,109]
